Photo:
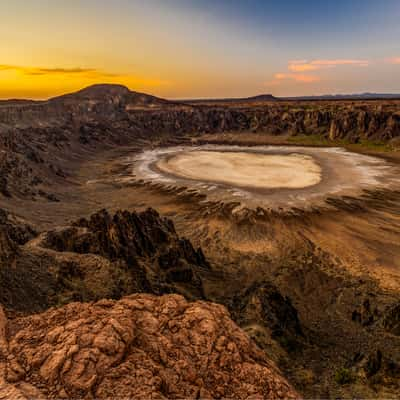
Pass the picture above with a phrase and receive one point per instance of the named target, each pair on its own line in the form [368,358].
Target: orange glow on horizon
[17,81]
[42,83]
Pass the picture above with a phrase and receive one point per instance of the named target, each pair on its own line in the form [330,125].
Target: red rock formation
[141,346]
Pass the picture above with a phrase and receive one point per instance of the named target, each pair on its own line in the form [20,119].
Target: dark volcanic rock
[18,230]
[125,235]
[365,315]
[102,257]
[262,304]
[378,368]
[391,320]
[8,248]
[144,241]
[20,288]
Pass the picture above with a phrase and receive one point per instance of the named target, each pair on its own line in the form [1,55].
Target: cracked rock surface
[141,346]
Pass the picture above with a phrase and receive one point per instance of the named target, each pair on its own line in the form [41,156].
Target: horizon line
[207,98]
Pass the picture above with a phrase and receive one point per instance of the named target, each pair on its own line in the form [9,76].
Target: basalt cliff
[352,120]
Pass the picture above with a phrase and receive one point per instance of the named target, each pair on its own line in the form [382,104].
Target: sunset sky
[200,48]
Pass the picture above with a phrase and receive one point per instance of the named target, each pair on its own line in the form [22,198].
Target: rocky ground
[142,346]
[103,257]
[316,291]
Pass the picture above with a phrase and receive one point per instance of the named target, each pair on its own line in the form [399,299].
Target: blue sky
[193,48]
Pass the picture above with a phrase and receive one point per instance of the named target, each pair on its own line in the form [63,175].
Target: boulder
[141,346]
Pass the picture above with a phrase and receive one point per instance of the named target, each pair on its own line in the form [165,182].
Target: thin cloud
[297,61]
[56,71]
[85,74]
[298,69]
[53,71]
[303,67]
[334,63]
[297,77]
[314,65]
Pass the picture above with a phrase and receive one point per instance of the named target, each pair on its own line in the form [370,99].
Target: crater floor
[243,169]
[265,176]
[338,264]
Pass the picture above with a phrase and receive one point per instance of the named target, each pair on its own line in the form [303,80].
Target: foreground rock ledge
[141,346]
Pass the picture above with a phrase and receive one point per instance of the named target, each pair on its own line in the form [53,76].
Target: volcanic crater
[150,248]
[265,176]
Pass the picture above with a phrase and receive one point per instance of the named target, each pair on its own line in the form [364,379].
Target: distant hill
[355,96]
[269,97]
[114,94]
[111,93]
[99,93]
[96,102]
[254,99]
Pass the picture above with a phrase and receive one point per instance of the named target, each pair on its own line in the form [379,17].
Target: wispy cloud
[302,67]
[298,70]
[314,65]
[56,71]
[305,78]
[84,74]
[53,71]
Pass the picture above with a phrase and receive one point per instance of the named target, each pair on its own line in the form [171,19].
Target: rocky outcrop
[263,308]
[365,315]
[101,257]
[25,281]
[8,249]
[12,232]
[100,101]
[139,347]
[18,230]
[391,319]
[128,235]
[145,241]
